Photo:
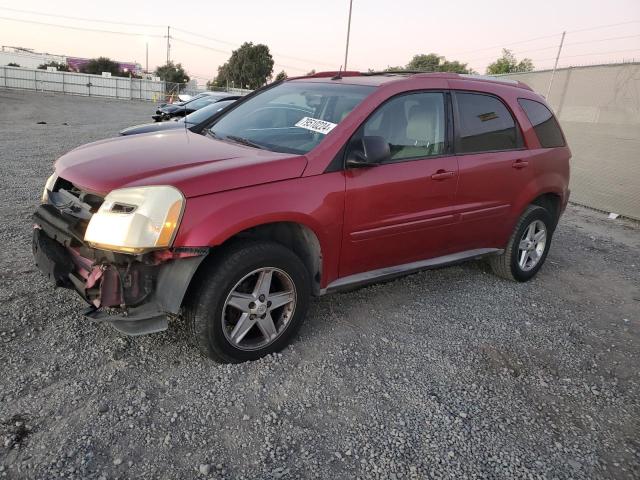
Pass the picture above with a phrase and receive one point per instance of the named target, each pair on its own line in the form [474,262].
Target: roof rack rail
[475,76]
[335,73]
[395,72]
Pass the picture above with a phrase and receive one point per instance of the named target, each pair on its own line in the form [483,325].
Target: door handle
[442,175]
[520,164]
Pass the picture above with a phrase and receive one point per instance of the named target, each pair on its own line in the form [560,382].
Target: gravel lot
[451,373]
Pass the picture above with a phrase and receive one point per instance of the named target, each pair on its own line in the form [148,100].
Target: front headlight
[51,181]
[134,220]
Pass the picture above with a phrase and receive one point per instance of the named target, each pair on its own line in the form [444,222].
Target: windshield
[207,112]
[292,117]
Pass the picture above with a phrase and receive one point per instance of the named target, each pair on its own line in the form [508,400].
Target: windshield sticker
[316,125]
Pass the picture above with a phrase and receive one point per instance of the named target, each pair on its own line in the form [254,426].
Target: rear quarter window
[544,123]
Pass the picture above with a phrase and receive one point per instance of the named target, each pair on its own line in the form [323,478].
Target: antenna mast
[346,51]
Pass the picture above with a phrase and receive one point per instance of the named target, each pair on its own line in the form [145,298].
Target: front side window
[292,117]
[412,124]
[544,123]
[484,125]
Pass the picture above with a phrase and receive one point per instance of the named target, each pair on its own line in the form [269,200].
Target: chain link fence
[598,107]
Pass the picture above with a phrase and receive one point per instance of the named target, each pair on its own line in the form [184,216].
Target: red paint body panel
[396,214]
[364,219]
[315,202]
[195,164]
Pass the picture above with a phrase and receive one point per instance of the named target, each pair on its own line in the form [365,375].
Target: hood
[195,164]
[153,127]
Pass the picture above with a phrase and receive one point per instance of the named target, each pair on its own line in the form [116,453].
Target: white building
[27,58]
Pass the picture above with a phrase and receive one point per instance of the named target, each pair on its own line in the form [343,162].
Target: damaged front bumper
[134,293]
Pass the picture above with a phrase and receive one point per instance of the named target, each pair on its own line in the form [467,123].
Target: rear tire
[249,302]
[528,246]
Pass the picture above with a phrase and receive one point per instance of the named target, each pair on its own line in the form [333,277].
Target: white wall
[599,110]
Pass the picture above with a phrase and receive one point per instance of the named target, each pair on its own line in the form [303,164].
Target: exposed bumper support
[139,293]
[172,281]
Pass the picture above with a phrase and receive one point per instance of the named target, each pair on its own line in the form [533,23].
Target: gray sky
[303,35]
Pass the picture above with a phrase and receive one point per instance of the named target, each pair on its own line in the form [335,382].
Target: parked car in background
[190,121]
[309,186]
[181,109]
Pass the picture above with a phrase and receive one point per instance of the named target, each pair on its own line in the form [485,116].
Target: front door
[401,211]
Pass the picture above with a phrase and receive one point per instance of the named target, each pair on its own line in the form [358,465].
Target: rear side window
[484,125]
[544,123]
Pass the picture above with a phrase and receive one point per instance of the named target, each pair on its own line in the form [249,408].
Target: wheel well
[551,202]
[298,238]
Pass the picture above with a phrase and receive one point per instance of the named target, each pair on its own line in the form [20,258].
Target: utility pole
[146,67]
[346,51]
[168,44]
[555,66]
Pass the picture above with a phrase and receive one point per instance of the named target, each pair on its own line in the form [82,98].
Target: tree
[281,76]
[250,66]
[433,62]
[61,67]
[508,63]
[12,64]
[173,73]
[96,66]
[310,72]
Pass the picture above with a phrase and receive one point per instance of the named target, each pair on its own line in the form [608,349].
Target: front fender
[315,202]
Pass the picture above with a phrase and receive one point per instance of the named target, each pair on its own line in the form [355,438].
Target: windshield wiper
[245,141]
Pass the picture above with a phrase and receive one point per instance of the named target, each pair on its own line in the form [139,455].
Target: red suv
[305,187]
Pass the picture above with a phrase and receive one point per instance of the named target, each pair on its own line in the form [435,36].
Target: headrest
[418,124]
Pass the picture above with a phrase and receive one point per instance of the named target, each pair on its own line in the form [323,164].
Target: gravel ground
[451,373]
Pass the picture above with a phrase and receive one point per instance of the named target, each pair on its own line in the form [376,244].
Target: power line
[96,30]
[594,53]
[194,44]
[206,47]
[206,37]
[518,52]
[507,44]
[132,34]
[69,17]
[597,27]
[604,39]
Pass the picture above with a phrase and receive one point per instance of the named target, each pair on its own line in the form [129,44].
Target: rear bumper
[134,294]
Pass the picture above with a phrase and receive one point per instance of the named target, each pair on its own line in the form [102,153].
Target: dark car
[193,119]
[308,186]
[169,111]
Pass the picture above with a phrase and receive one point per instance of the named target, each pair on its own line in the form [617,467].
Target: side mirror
[373,151]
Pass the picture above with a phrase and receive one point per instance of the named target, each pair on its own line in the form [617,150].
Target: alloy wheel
[258,308]
[532,245]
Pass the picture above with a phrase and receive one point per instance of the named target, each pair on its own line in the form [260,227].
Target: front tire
[528,246]
[249,302]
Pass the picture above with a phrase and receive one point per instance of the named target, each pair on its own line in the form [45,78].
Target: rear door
[494,168]
[401,211]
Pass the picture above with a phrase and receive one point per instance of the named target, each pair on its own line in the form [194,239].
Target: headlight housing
[51,181]
[135,220]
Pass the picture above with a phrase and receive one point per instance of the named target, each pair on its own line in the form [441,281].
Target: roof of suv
[379,78]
